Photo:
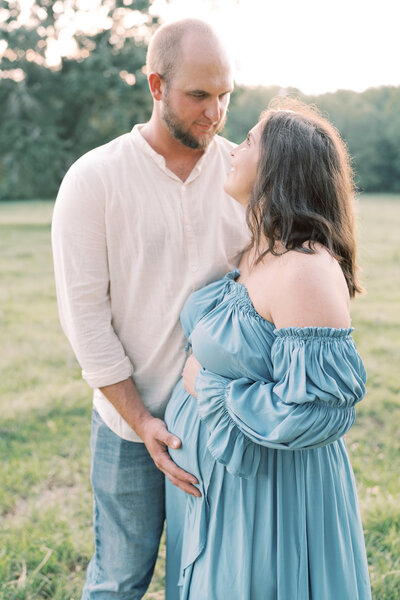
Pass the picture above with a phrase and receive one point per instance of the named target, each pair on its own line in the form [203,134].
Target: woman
[270,388]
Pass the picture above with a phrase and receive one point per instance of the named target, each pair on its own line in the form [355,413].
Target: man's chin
[198,142]
[205,139]
[195,141]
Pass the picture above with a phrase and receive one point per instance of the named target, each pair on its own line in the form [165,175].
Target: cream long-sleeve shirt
[130,242]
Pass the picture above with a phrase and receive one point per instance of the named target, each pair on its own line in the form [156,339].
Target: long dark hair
[304,187]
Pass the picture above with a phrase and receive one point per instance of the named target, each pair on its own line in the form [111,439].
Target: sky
[316,46]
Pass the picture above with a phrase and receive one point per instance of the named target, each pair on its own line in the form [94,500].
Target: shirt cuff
[109,375]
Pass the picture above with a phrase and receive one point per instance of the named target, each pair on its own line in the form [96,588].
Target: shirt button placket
[190,242]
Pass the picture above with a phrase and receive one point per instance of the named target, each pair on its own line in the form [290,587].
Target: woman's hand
[190,370]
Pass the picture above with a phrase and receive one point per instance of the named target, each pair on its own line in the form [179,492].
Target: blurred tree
[369,122]
[245,108]
[56,108]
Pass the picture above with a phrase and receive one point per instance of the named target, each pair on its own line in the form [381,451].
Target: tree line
[368,121]
[51,116]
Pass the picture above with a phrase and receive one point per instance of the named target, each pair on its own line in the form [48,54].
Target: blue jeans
[128,509]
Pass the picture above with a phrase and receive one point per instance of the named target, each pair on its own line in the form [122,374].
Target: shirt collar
[160,160]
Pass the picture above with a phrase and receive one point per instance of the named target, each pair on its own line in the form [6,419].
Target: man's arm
[154,433]
[82,282]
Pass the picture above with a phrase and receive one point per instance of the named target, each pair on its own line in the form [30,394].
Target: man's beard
[176,127]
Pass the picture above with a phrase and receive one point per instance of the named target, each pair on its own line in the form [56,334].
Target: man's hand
[157,439]
[190,370]
[154,433]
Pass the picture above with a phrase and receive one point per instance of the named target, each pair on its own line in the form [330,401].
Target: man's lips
[206,126]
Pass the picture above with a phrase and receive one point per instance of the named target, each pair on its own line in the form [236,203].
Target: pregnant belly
[182,420]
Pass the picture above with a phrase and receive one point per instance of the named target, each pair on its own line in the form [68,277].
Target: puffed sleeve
[317,378]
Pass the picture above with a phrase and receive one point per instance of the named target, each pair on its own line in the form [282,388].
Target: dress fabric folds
[278,518]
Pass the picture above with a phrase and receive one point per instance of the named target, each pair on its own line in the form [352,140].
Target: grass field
[45,500]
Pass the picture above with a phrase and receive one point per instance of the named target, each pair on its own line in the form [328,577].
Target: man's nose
[213,110]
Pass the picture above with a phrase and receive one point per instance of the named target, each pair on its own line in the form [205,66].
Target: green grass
[374,441]
[45,499]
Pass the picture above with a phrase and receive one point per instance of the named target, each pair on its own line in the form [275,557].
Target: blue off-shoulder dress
[278,518]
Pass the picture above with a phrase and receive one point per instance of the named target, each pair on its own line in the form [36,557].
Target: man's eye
[200,96]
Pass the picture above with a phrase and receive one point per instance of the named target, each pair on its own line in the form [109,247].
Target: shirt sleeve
[82,278]
[317,378]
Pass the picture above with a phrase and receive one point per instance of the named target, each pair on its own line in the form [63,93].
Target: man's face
[196,99]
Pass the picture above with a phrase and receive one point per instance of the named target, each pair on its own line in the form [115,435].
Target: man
[140,223]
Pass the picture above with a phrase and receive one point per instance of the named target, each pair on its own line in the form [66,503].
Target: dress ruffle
[203,301]
[278,516]
[318,377]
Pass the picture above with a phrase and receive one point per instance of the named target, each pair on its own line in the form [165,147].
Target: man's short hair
[164,48]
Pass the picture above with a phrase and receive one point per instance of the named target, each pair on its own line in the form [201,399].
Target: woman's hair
[304,188]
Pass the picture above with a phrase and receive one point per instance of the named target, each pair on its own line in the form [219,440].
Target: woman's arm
[317,376]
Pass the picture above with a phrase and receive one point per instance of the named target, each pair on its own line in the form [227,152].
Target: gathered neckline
[240,287]
[298,332]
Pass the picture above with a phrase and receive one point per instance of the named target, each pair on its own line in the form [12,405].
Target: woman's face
[240,179]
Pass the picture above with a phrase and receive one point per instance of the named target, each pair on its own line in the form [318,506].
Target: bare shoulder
[311,291]
[305,270]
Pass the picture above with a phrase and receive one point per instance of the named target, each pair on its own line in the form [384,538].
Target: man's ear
[156,86]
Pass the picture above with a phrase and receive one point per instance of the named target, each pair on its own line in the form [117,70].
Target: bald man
[140,223]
